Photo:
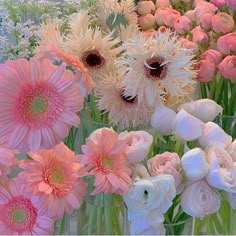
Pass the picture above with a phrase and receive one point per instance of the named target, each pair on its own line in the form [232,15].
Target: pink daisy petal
[72,200]
[71,118]
[44,187]
[34,140]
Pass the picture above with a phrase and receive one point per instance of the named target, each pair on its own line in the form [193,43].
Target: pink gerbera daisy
[54,175]
[7,160]
[38,103]
[105,157]
[22,213]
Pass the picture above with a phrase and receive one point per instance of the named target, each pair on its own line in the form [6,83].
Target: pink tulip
[228,67]
[231,4]
[204,7]
[199,36]
[206,70]
[170,17]
[205,21]
[145,7]
[213,56]
[218,3]
[182,25]
[227,43]
[159,15]
[222,23]
[191,15]
[147,21]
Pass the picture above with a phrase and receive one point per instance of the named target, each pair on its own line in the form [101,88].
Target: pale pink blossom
[194,164]
[38,103]
[222,172]
[22,213]
[191,15]
[222,23]
[105,158]
[163,3]
[228,67]
[167,163]
[170,16]
[182,25]
[199,199]
[205,21]
[214,135]
[54,175]
[203,7]
[231,4]
[199,36]
[189,45]
[138,145]
[159,15]
[146,21]
[145,7]
[213,56]
[222,44]
[206,70]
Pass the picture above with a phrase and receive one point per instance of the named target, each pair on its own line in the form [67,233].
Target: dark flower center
[154,68]
[128,99]
[93,59]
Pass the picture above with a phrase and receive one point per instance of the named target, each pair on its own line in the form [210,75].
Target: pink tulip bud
[218,3]
[228,67]
[182,25]
[206,70]
[204,7]
[170,17]
[222,23]
[226,44]
[191,15]
[162,3]
[205,21]
[147,21]
[145,7]
[213,56]
[189,44]
[199,36]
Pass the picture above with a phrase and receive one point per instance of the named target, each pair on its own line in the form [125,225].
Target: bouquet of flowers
[100,106]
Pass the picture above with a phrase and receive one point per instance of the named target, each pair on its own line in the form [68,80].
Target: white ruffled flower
[204,109]
[213,135]
[187,126]
[162,119]
[194,164]
[139,171]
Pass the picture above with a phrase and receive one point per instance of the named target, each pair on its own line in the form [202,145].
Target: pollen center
[19,215]
[57,176]
[154,69]
[38,105]
[127,98]
[107,162]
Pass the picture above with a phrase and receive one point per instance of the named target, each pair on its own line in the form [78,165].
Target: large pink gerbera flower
[38,103]
[7,160]
[22,213]
[105,157]
[54,175]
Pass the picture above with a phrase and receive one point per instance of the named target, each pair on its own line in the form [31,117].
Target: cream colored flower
[112,14]
[156,67]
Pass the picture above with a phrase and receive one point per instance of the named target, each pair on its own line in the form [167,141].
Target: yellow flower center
[57,176]
[107,162]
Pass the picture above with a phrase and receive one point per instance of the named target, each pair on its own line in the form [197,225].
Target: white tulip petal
[187,127]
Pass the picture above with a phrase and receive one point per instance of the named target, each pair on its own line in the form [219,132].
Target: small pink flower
[228,67]
[41,102]
[138,145]
[159,15]
[54,176]
[203,7]
[163,3]
[222,44]
[146,21]
[206,70]
[167,163]
[191,15]
[145,7]
[170,16]
[182,25]
[199,36]
[222,23]
[105,158]
[189,44]
[206,21]
[213,56]
[231,4]
[22,213]
[218,3]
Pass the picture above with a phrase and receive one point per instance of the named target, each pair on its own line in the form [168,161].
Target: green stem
[107,206]
[62,224]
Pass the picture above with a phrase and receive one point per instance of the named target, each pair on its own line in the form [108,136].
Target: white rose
[212,135]
[204,109]
[199,199]
[231,149]
[222,172]
[187,126]
[138,145]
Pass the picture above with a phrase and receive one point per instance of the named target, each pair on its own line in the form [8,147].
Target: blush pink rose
[162,3]
[182,25]
[213,56]
[170,16]
[191,15]
[204,7]
[146,21]
[205,21]
[206,70]
[145,7]
[138,145]
[189,45]
[199,36]
[222,172]
[231,42]
[222,23]
[159,15]
[218,3]
[222,44]
[167,163]
[199,199]
[231,4]
[228,67]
